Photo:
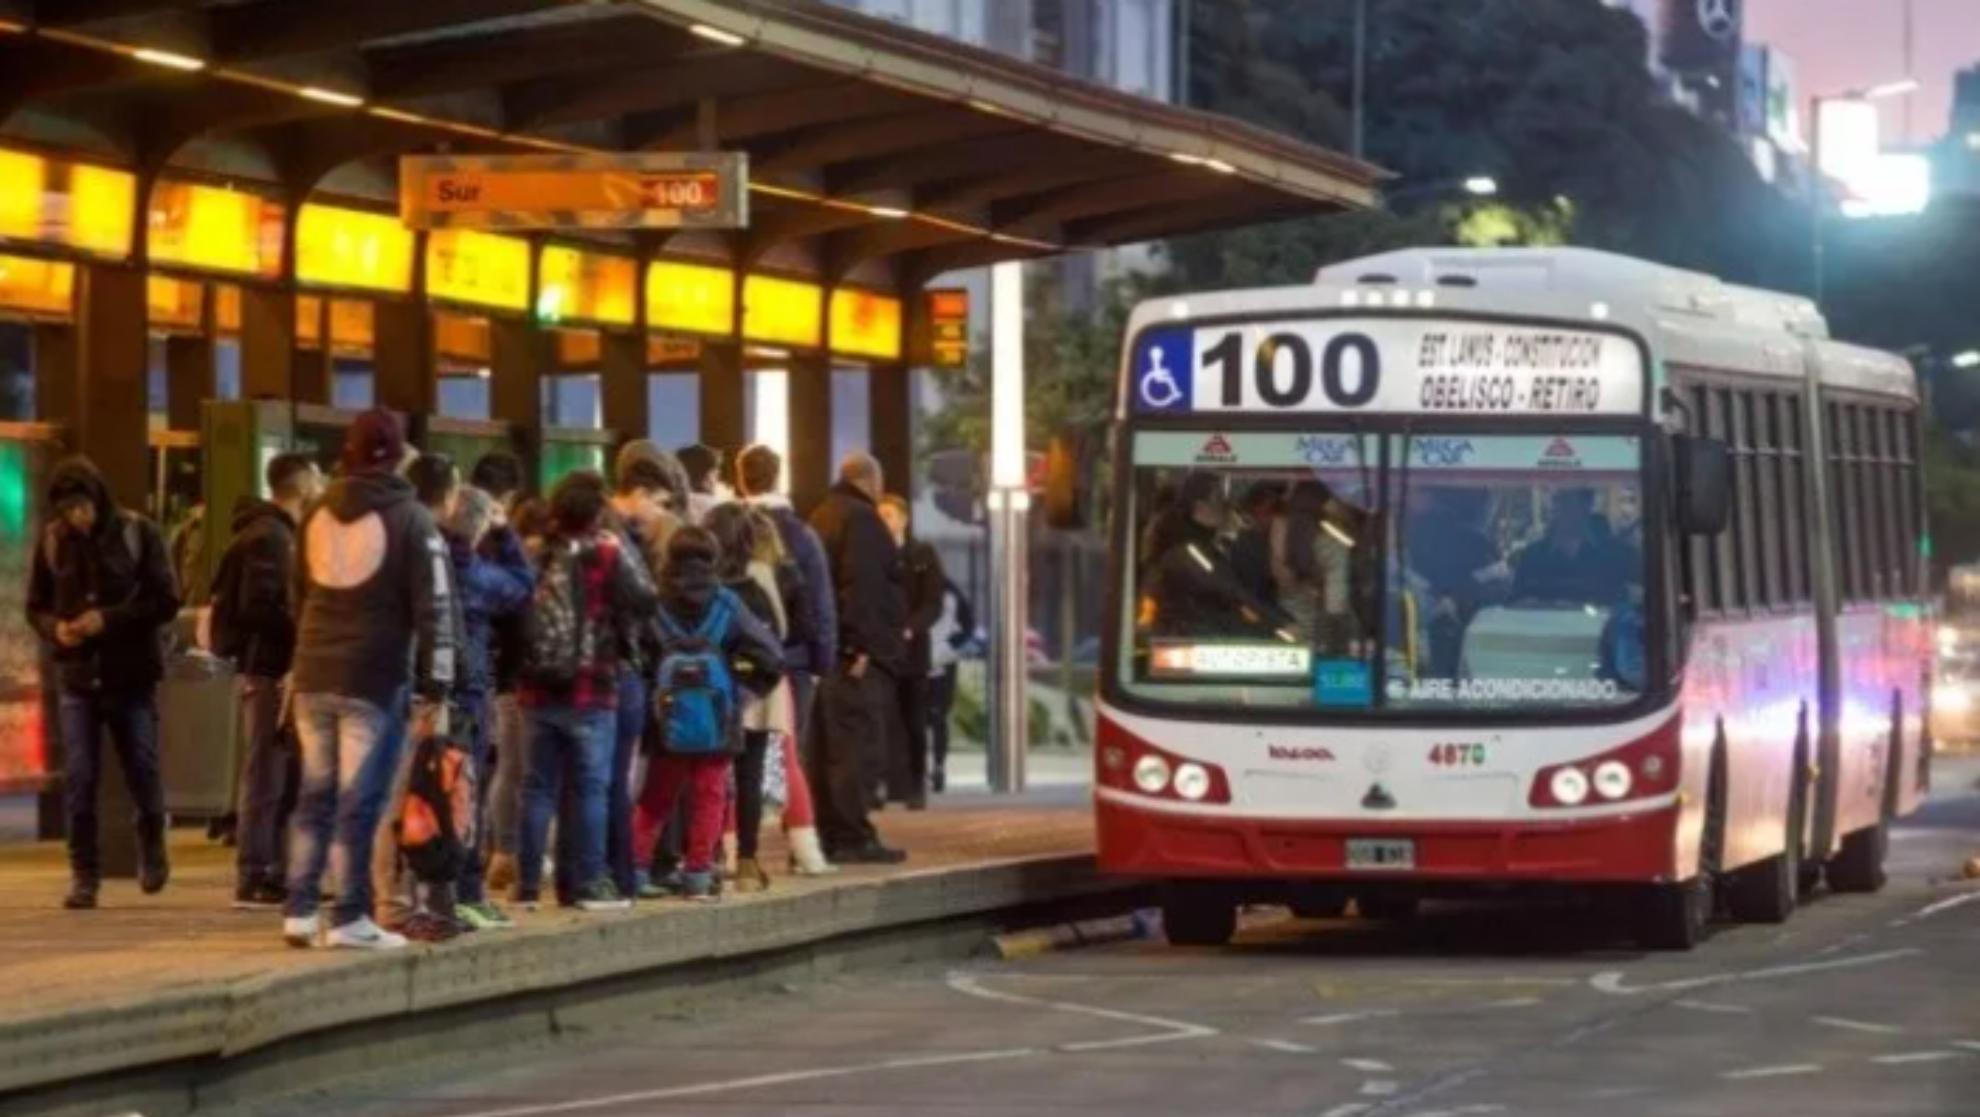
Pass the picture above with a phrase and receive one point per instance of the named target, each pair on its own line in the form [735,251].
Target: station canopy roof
[876,152]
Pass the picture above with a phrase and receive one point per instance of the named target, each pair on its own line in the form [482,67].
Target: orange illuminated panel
[662,349]
[587,286]
[782,310]
[174,304]
[75,205]
[458,337]
[227,309]
[579,349]
[693,297]
[338,247]
[480,268]
[948,327]
[40,287]
[353,329]
[309,321]
[865,324]
[216,229]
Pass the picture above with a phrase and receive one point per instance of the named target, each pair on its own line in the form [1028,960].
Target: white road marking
[1966,1044]
[701,1089]
[1512,1002]
[1348,1017]
[1772,1072]
[1379,1088]
[1918,1057]
[1491,982]
[1173,1029]
[1348,1110]
[1947,904]
[1712,1006]
[1617,1092]
[1848,1025]
[1369,1066]
[1284,1045]
[1611,982]
[1461,1111]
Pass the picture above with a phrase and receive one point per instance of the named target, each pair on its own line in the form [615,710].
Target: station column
[622,382]
[722,423]
[810,429]
[889,413]
[403,357]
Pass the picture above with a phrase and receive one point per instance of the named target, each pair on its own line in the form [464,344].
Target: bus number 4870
[1460,756]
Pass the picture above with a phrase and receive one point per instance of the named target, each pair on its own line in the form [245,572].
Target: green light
[14,500]
[550,303]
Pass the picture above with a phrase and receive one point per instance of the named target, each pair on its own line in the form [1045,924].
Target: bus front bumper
[1135,841]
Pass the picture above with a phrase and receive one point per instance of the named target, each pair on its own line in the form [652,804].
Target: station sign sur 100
[1402,365]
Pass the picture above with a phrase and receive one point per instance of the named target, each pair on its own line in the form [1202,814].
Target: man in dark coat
[858,698]
[253,623]
[99,591]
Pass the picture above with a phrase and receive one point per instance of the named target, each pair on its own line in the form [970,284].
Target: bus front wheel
[1674,916]
[1197,915]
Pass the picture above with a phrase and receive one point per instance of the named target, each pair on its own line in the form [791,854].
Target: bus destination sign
[1385,365]
[654,190]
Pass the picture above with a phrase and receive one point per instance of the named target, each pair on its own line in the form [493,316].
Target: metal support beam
[810,459]
[890,422]
[405,373]
[721,396]
[188,379]
[251,31]
[268,342]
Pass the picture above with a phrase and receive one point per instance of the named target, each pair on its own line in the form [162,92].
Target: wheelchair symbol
[1159,388]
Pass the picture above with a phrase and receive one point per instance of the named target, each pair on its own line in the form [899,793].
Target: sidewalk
[145,980]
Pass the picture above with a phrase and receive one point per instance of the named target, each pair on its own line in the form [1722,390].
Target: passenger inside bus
[1251,552]
[1576,560]
[1460,574]
[1312,548]
[1192,587]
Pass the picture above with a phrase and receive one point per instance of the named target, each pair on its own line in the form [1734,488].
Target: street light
[1818,177]
[1966,359]
[1478,186]
[1483,186]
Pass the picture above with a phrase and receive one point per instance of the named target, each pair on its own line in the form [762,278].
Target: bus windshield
[1416,572]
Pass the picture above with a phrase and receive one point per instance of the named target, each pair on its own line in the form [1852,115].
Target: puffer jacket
[120,569]
[494,583]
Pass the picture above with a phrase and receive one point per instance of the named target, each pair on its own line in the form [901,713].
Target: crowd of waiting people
[450,689]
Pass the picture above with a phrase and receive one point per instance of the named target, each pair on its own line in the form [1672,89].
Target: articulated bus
[1470,571]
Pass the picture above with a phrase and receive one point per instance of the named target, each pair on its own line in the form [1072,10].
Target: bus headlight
[1951,698]
[1570,787]
[1151,774]
[1192,782]
[1612,779]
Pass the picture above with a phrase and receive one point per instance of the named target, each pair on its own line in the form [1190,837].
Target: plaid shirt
[597,685]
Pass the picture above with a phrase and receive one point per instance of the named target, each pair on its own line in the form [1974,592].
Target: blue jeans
[472,885]
[619,811]
[131,720]
[574,747]
[350,752]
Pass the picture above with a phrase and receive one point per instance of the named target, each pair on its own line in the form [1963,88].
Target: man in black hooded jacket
[99,591]
[253,623]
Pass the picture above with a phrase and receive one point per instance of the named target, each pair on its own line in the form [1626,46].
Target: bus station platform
[148,982]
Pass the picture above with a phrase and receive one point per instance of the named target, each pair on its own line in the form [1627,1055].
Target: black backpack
[558,638]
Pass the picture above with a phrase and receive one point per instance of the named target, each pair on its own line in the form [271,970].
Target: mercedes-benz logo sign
[1719,18]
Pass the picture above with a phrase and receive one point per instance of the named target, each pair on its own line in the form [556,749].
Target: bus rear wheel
[1197,915]
[1859,865]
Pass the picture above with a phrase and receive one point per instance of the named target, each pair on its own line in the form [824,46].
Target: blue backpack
[696,697]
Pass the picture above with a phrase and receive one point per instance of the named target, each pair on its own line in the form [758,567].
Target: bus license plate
[1381,853]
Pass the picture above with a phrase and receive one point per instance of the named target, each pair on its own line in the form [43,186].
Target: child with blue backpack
[713,649]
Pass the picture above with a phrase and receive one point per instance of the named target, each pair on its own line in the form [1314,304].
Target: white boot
[807,858]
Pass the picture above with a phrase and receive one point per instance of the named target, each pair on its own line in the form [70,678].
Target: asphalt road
[1860,1006]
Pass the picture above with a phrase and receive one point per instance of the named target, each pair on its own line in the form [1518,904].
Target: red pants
[706,780]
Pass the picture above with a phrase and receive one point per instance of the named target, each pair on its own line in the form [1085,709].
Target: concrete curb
[231,1020]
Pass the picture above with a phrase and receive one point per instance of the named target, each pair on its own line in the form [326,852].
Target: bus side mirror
[1065,496]
[1704,484]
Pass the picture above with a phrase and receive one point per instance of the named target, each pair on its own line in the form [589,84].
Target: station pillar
[268,343]
[188,379]
[622,380]
[519,353]
[810,429]
[722,423]
[889,415]
[405,379]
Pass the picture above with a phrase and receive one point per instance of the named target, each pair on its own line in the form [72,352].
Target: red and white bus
[1480,569]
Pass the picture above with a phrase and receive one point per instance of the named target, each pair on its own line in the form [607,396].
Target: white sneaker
[363,934]
[301,932]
